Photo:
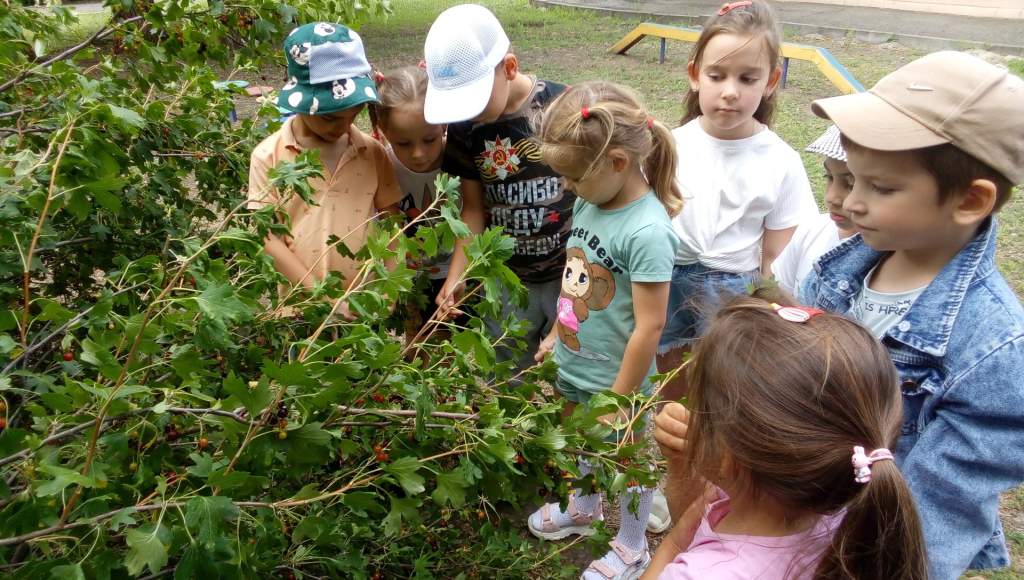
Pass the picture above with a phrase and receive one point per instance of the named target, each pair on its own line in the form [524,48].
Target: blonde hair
[589,119]
[756,19]
[403,87]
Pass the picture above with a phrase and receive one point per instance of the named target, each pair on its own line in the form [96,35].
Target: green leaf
[310,490]
[209,513]
[361,502]
[98,356]
[63,477]
[127,117]
[404,509]
[68,572]
[450,489]
[254,398]
[404,469]
[219,302]
[146,549]
[552,439]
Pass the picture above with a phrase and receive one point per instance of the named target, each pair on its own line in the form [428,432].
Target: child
[745,189]
[328,86]
[416,149]
[935,149]
[614,291]
[782,401]
[814,238]
[473,78]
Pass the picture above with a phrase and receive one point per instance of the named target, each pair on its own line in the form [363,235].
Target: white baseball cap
[464,46]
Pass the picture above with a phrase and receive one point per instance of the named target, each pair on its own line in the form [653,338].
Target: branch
[99,35]
[407,413]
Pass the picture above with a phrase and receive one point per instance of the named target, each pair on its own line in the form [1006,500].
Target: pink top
[714,556]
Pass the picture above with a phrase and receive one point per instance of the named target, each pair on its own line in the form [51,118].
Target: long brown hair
[786,402]
[615,119]
[402,87]
[757,19]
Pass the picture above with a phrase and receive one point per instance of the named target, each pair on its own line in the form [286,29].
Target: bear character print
[586,286]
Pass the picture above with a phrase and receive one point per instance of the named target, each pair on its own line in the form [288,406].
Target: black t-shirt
[521,193]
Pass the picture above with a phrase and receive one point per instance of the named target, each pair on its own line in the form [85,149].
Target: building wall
[982,8]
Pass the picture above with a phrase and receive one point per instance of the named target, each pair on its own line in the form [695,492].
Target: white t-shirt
[733,191]
[810,241]
[418,192]
[880,311]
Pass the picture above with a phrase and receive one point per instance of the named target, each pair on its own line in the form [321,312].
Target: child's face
[505,72]
[417,144]
[894,203]
[840,183]
[600,186]
[734,74]
[332,126]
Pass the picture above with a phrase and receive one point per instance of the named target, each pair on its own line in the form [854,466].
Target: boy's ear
[510,64]
[694,74]
[975,203]
[773,81]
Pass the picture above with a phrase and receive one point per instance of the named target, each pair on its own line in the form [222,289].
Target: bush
[158,412]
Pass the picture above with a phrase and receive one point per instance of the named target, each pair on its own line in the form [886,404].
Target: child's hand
[449,295]
[344,312]
[546,346]
[670,429]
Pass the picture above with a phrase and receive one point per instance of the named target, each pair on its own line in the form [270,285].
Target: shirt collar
[928,324]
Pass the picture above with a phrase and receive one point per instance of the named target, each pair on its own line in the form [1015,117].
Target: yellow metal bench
[833,70]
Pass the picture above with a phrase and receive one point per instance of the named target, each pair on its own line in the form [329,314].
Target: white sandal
[636,563]
[546,528]
[659,519]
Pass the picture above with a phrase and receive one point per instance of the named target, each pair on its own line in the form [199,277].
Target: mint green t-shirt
[607,251]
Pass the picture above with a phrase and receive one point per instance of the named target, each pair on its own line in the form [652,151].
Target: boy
[328,86]
[935,149]
[474,83]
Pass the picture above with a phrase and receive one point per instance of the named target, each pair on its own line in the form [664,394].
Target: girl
[819,235]
[791,414]
[620,163]
[745,189]
[416,149]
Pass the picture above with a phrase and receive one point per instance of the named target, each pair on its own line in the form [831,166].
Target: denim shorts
[695,293]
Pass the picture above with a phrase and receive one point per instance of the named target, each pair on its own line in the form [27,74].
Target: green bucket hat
[327,70]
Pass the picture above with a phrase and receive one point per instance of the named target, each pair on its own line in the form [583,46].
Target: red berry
[203,442]
[3,422]
[69,356]
[173,435]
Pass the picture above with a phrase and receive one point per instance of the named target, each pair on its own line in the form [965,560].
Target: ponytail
[880,535]
[586,121]
[660,168]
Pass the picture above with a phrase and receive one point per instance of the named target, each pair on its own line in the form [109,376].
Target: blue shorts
[696,292]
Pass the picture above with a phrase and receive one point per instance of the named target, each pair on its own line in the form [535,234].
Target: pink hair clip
[730,6]
[862,462]
[585,112]
[378,76]
[422,64]
[796,313]
[650,122]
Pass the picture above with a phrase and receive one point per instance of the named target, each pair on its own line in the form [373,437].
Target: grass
[570,46]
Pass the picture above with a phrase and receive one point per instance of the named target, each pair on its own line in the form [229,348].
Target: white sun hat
[463,48]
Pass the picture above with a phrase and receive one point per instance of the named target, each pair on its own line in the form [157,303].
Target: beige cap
[945,97]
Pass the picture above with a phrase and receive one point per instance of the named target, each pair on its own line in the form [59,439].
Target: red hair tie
[650,122]
[729,6]
[585,112]
[378,76]
[422,64]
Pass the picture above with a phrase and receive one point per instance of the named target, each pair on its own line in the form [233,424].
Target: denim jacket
[959,351]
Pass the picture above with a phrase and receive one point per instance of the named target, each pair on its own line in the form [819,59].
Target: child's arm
[676,541]
[772,244]
[287,263]
[650,302]
[473,214]
[547,345]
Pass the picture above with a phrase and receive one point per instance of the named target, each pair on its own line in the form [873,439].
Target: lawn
[571,46]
